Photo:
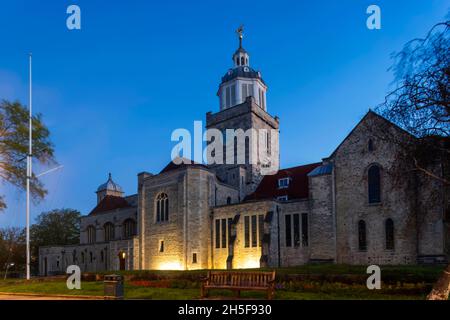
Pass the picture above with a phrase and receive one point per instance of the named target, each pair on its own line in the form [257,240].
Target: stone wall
[192,192]
[244,116]
[398,200]
[116,217]
[322,220]
[89,257]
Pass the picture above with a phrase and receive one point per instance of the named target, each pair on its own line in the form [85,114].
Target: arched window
[242,61]
[373,177]
[389,228]
[82,257]
[91,258]
[102,256]
[237,60]
[162,208]
[91,234]
[362,236]
[229,200]
[370,145]
[108,228]
[129,228]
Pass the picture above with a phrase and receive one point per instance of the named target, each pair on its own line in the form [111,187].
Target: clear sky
[113,92]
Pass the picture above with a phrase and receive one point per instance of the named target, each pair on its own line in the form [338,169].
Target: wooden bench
[237,281]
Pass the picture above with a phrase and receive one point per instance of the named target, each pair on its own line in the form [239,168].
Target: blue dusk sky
[113,92]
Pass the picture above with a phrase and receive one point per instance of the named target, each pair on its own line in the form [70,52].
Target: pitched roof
[185,163]
[109,203]
[368,114]
[298,186]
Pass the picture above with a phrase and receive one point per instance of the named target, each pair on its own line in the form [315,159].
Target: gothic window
[162,208]
[296,230]
[91,234]
[247,231]
[261,228]
[288,231]
[91,257]
[362,236]
[237,60]
[370,145]
[102,256]
[129,228]
[217,233]
[242,60]
[305,238]
[82,257]
[254,230]
[389,226]
[229,200]
[373,177]
[224,233]
[161,246]
[108,229]
[194,258]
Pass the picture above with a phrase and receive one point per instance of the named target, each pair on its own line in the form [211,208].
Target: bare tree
[420,105]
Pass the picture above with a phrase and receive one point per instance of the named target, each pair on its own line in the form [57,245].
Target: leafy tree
[14,135]
[12,248]
[56,227]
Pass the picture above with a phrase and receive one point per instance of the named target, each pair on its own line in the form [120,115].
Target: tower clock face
[246,69]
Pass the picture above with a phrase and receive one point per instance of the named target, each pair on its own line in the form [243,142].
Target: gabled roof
[298,185]
[185,163]
[109,203]
[374,114]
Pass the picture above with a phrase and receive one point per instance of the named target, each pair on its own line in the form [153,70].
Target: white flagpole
[29,172]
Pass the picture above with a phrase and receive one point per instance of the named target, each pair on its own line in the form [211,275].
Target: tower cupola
[241,81]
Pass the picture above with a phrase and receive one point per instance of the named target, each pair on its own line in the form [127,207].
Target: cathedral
[347,208]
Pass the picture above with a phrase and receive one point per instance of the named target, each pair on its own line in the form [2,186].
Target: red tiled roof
[298,186]
[110,203]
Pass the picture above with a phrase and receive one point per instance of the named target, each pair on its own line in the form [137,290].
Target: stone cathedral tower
[243,106]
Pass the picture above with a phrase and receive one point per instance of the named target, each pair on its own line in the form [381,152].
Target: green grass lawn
[405,282]
[136,292]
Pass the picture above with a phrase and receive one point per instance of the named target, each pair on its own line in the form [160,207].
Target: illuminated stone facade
[345,209]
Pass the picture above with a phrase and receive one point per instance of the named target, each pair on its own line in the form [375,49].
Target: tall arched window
[91,234]
[129,228]
[362,236]
[389,228]
[108,228]
[162,208]
[373,178]
[242,61]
